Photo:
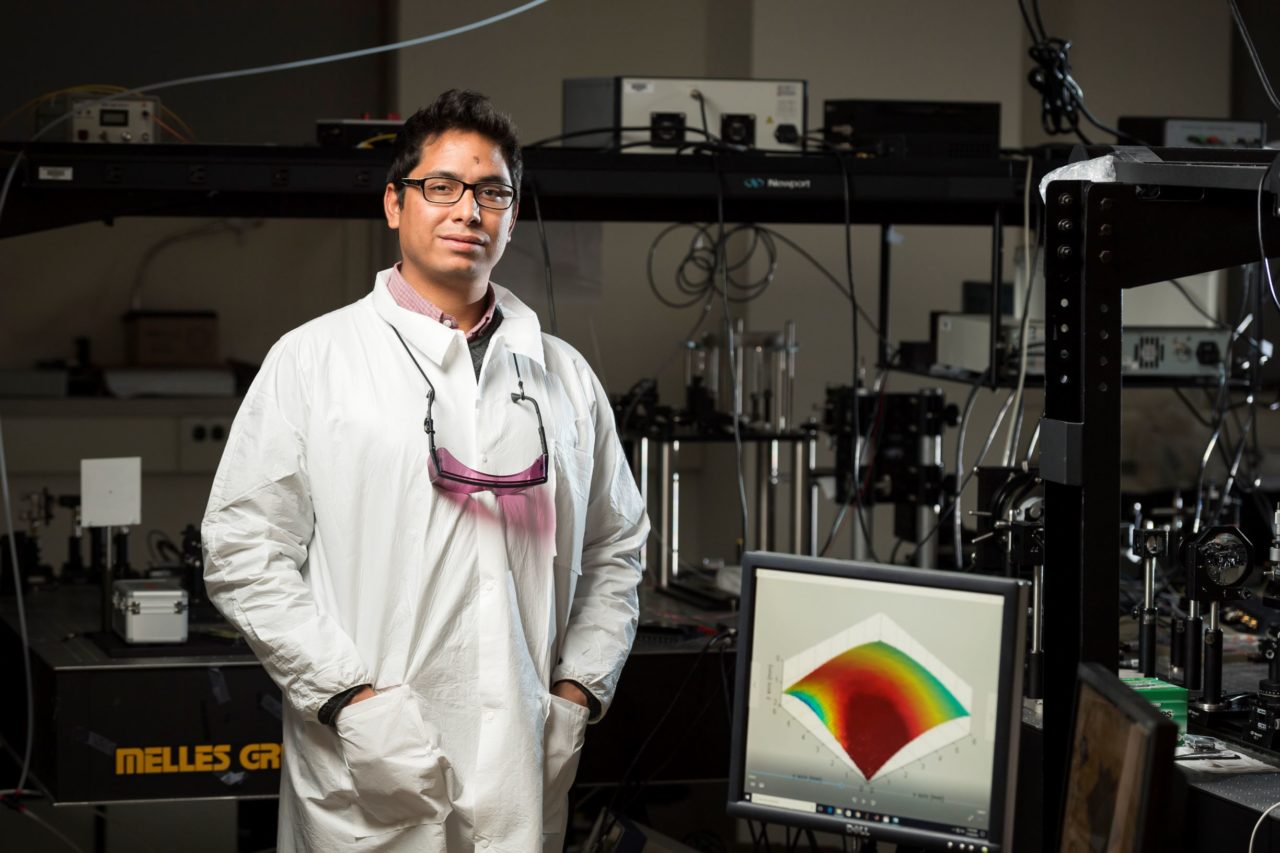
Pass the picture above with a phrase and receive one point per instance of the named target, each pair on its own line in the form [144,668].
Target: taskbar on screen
[966,840]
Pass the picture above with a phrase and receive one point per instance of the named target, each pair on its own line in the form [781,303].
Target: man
[425,527]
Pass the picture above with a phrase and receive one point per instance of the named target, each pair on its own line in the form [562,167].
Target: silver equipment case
[149,611]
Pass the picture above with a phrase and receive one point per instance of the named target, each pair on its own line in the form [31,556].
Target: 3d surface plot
[876,697]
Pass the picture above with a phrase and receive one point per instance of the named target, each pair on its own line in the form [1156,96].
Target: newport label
[777,183]
[200,758]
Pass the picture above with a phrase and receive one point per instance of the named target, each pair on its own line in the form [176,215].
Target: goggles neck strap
[428,424]
[521,397]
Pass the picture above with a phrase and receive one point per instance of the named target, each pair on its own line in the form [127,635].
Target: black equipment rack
[1168,213]
[61,184]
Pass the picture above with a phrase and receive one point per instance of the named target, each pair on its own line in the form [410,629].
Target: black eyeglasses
[451,475]
[441,190]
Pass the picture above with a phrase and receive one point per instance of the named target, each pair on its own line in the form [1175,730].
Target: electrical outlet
[201,440]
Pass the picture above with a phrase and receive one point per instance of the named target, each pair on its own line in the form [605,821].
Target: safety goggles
[449,474]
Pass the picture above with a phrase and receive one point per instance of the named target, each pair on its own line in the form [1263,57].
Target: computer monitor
[878,701]
[1121,786]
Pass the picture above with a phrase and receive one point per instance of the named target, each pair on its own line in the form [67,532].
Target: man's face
[452,245]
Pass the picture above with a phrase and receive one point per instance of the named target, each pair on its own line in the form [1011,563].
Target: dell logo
[753,183]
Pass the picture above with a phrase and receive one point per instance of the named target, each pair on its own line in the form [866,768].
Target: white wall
[1141,56]
[76,281]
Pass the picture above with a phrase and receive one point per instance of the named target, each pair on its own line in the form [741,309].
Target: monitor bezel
[1008,718]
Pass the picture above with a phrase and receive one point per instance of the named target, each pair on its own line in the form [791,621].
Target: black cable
[151,544]
[1208,424]
[1262,247]
[1246,431]
[751,289]
[857,486]
[639,143]
[957,530]
[1061,98]
[1253,55]
[1234,467]
[760,841]
[611,819]
[1220,408]
[166,546]
[1223,405]
[733,367]
[546,256]
[1015,428]
[826,272]
[1191,408]
[973,470]
[1218,324]
[595,131]
[696,274]
[702,108]
[690,724]
[689,258]
[853,299]
[1026,20]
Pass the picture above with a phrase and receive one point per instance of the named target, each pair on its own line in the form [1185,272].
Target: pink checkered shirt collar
[410,300]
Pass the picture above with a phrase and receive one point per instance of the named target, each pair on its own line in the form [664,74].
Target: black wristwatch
[328,713]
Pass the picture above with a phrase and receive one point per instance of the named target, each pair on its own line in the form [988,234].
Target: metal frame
[1102,238]
[801,509]
[62,184]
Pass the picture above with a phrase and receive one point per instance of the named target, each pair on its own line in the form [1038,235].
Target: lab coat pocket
[562,749]
[573,494]
[399,774]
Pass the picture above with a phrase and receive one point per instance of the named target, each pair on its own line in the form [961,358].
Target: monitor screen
[1121,769]
[878,701]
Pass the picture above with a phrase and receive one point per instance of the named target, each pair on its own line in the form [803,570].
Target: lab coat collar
[520,331]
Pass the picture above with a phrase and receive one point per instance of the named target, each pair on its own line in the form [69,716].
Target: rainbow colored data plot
[876,697]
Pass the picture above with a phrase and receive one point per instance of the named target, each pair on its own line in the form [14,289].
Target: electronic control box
[950,130]
[1174,353]
[661,114]
[120,120]
[962,342]
[1193,132]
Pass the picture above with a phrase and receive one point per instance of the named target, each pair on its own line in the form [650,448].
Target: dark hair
[456,109]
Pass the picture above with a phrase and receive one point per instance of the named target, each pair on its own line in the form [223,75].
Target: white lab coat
[328,548]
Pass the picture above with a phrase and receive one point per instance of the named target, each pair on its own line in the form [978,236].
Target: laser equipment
[1218,561]
[673,111]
